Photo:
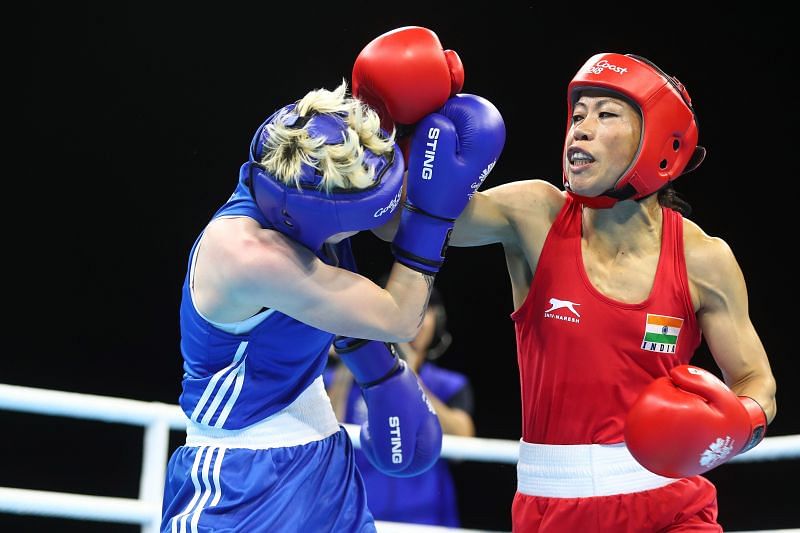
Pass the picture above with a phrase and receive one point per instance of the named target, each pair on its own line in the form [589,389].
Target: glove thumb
[456,68]
[428,450]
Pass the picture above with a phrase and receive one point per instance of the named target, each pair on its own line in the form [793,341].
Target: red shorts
[688,504]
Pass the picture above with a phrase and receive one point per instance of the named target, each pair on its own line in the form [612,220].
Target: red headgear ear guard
[668,147]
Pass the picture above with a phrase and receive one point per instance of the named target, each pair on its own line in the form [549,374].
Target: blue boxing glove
[402,436]
[452,151]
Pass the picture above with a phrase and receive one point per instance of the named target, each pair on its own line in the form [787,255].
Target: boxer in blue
[271,280]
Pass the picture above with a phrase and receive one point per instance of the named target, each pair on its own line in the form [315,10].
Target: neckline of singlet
[667,236]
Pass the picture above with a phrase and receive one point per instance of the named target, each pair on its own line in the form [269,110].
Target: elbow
[407,333]
[403,329]
[469,430]
[395,332]
[762,390]
[771,411]
[771,407]
[767,399]
[469,426]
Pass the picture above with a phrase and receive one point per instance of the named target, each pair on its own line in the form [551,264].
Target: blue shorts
[313,487]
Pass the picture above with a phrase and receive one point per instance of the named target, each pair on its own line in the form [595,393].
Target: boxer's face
[602,141]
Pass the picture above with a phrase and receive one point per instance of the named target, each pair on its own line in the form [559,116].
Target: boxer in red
[613,289]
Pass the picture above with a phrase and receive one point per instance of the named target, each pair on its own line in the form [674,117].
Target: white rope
[158,418]
[465,448]
[772,448]
[88,406]
[77,506]
[120,410]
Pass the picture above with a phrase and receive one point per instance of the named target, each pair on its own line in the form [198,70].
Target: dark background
[135,121]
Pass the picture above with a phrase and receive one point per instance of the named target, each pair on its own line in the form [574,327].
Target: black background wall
[134,121]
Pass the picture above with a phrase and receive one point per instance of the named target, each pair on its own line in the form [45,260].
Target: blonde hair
[340,165]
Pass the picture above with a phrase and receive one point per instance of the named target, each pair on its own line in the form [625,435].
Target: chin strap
[605,200]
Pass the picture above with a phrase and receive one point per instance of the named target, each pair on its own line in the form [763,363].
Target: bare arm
[518,215]
[242,268]
[485,220]
[724,319]
[454,421]
[510,214]
[494,215]
[481,222]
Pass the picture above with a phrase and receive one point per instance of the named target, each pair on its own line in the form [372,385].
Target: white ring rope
[135,412]
[159,418]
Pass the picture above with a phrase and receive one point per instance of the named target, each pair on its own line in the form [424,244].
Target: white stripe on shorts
[200,497]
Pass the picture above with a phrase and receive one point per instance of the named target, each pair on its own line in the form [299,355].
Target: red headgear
[668,147]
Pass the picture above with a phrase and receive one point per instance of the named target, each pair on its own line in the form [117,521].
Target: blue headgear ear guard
[310,215]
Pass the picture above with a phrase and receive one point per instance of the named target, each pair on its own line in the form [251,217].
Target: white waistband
[307,419]
[582,470]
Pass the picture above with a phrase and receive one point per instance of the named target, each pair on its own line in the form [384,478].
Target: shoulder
[511,214]
[710,261]
[240,247]
[704,251]
[528,195]
[529,206]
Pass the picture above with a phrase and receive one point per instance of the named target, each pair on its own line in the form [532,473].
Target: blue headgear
[310,215]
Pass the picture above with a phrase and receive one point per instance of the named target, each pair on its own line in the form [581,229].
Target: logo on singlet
[556,304]
[661,333]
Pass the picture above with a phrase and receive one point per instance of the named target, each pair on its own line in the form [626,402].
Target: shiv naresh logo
[556,304]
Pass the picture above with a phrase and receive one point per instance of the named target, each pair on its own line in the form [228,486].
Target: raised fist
[405,74]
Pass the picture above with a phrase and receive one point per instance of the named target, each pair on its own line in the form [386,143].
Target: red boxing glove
[405,74]
[691,422]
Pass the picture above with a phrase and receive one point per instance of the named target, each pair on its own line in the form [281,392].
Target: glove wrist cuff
[415,262]
[422,240]
[370,362]
[411,208]
[758,422]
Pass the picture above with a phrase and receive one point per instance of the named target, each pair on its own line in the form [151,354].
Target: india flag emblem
[661,333]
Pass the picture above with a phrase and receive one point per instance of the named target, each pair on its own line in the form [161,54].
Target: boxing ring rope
[158,419]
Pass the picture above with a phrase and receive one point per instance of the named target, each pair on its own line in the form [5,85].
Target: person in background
[428,498]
